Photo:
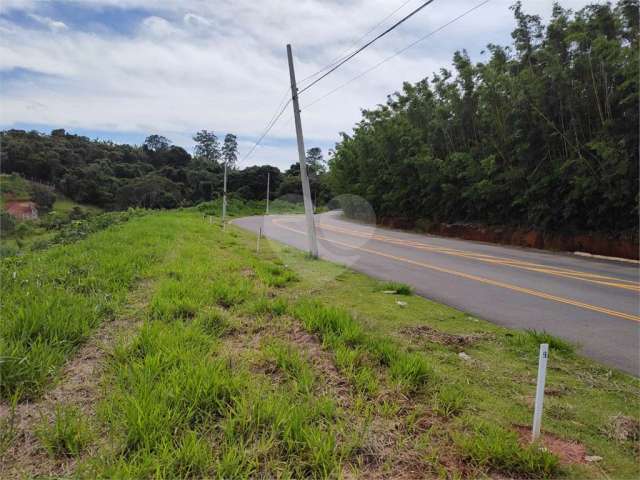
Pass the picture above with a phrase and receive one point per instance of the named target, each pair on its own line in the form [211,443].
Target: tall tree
[155,143]
[315,161]
[207,146]
[230,150]
[543,133]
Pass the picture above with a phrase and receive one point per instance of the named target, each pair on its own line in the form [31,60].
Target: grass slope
[275,365]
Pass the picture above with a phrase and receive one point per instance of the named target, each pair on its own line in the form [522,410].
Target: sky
[124,69]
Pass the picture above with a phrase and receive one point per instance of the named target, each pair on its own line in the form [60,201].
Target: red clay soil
[21,210]
[568,452]
[622,246]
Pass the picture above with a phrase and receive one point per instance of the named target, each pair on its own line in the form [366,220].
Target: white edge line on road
[604,257]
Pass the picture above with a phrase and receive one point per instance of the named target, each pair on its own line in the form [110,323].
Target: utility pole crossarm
[306,190]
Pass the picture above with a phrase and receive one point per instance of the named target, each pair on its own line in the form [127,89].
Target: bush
[8,251]
[7,222]
[43,196]
[23,229]
[78,213]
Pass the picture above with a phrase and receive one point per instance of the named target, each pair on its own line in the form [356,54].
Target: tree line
[156,174]
[543,133]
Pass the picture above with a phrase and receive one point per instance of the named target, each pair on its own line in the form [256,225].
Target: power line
[362,37]
[421,39]
[278,113]
[356,52]
[270,125]
[276,117]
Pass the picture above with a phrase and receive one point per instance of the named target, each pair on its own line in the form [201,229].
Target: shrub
[7,223]
[8,250]
[43,196]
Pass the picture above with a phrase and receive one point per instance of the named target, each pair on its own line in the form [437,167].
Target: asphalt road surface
[591,302]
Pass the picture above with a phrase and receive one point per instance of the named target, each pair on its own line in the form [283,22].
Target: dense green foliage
[155,175]
[543,133]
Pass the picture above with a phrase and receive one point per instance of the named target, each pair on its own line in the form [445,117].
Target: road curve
[591,302]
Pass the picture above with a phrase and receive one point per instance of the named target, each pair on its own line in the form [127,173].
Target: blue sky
[123,69]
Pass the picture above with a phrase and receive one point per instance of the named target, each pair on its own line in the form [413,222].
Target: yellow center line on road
[484,280]
[535,267]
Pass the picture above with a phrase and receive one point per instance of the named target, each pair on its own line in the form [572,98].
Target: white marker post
[542,376]
[258,241]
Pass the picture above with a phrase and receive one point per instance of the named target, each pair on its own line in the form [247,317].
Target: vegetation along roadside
[240,364]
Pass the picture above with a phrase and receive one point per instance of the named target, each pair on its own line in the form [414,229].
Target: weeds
[68,435]
[8,430]
[449,400]
[395,287]
[529,341]
[411,371]
[213,321]
[492,447]
[289,360]
[348,339]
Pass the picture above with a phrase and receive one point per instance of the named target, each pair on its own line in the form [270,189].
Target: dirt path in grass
[78,386]
[386,450]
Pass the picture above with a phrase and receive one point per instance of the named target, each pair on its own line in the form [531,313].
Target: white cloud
[196,21]
[157,26]
[53,25]
[221,65]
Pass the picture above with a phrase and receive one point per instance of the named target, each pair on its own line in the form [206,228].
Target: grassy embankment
[237,372]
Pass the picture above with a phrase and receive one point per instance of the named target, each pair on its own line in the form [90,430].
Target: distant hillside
[154,175]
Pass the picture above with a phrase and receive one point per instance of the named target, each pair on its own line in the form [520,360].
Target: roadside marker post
[542,376]
[258,241]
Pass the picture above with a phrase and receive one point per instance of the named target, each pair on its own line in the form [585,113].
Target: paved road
[594,303]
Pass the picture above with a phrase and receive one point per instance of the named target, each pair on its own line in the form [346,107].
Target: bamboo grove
[542,133]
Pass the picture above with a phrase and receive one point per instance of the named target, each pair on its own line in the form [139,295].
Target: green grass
[395,287]
[52,300]
[68,434]
[237,207]
[14,186]
[64,205]
[529,342]
[490,446]
[181,405]
[217,383]
[291,362]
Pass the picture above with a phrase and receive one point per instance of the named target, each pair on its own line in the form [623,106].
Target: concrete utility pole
[224,194]
[306,191]
[268,180]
